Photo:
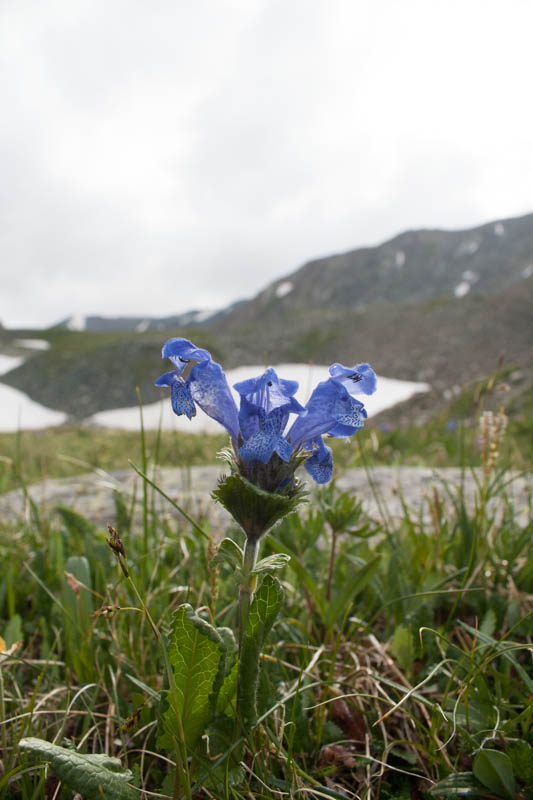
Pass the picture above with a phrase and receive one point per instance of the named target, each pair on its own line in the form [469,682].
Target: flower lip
[268,392]
[182,351]
[360,379]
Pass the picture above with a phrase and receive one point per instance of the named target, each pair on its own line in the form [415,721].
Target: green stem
[248,584]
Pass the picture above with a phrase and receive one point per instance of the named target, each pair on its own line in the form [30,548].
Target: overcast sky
[168,155]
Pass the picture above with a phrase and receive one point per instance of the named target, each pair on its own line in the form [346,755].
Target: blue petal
[181,351]
[319,418]
[348,411]
[167,379]
[181,399]
[360,379]
[283,448]
[210,390]
[268,392]
[249,418]
[320,464]
[267,439]
[259,447]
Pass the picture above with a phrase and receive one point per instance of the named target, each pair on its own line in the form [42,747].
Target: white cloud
[168,156]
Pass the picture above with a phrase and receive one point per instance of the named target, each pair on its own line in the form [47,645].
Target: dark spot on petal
[269,383]
[184,360]
[355,377]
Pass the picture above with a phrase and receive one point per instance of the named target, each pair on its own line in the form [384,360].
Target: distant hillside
[412,267]
[441,306]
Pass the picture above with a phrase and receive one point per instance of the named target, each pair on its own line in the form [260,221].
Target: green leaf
[351,589]
[495,771]
[302,573]
[255,510]
[263,612]
[78,567]
[13,630]
[197,655]
[270,563]
[521,755]
[403,647]
[461,784]
[94,776]
[228,552]
[488,623]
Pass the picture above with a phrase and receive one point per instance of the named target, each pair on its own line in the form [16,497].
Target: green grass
[402,656]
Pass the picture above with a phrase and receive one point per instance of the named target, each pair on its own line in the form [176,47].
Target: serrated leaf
[270,563]
[255,510]
[196,654]
[94,776]
[228,552]
[495,771]
[461,784]
[263,612]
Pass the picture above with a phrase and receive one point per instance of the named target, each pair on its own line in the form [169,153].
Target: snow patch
[33,344]
[461,289]
[528,271]
[76,323]
[499,230]
[203,316]
[390,391]
[469,276]
[284,288]
[399,258]
[18,412]
[142,326]
[7,363]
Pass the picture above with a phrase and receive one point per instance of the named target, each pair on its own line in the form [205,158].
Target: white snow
[399,258]
[499,230]
[390,391]
[284,288]
[33,344]
[77,323]
[7,363]
[470,276]
[18,412]
[141,327]
[461,289]
[527,272]
[203,316]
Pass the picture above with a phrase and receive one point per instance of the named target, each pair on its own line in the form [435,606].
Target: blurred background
[285,183]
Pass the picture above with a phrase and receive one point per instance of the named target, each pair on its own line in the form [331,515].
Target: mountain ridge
[443,307]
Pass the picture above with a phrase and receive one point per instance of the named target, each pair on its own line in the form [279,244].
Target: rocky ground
[384,492]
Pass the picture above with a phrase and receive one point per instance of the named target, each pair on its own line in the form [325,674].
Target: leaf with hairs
[263,612]
[197,657]
[94,776]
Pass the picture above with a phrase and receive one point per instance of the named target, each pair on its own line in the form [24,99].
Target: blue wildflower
[206,385]
[265,453]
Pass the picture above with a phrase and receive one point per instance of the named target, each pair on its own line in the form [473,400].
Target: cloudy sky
[163,156]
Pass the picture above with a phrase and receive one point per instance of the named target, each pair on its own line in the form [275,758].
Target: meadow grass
[401,661]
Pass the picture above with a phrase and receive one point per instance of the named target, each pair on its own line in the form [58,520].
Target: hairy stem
[248,584]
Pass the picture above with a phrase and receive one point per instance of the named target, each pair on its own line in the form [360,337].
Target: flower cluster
[262,439]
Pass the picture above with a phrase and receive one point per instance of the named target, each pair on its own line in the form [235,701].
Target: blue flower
[320,464]
[258,428]
[206,385]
